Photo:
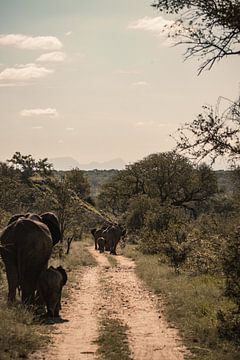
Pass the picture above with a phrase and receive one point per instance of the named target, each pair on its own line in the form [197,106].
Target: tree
[168,177]
[78,183]
[28,166]
[209,28]
[212,134]
[211,31]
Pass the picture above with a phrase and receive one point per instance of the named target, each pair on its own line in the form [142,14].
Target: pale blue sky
[115,92]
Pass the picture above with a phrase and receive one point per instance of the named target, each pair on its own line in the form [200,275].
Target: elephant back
[15,218]
[63,273]
[52,223]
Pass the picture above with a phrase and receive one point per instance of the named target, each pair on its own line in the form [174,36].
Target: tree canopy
[209,28]
[168,177]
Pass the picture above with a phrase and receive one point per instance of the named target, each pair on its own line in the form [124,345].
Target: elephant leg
[12,279]
[28,292]
[53,307]
[112,247]
[58,307]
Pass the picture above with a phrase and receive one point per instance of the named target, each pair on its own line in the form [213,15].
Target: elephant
[50,284]
[112,236]
[101,244]
[97,233]
[26,246]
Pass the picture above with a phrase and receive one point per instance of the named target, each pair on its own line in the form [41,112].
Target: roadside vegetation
[191,303]
[112,341]
[21,332]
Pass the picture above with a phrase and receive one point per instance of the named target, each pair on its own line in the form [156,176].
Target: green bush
[176,245]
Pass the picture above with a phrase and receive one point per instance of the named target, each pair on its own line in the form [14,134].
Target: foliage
[168,177]
[207,244]
[28,166]
[19,333]
[177,246]
[78,182]
[229,323]
[97,178]
[232,267]
[212,134]
[209,28]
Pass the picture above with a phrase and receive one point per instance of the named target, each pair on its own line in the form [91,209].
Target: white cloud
[157,25]
[37,127]
[39,112]
[56,56]
[31,42]
[24,72]
[68,33]
[141,83]
[12,84]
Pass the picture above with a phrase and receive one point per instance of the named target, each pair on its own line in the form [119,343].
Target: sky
[96,80]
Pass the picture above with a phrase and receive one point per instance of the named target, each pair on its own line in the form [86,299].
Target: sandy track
[150,336]
[116,292]
[74,339]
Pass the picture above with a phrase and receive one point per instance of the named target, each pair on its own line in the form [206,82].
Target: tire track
[150,336]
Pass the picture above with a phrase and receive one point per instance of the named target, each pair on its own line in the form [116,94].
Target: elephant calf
[50,284]
[101,244]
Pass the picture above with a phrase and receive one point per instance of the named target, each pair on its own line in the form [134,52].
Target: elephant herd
[108,236]
[26,245]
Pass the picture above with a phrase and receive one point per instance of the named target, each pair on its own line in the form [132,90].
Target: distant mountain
[68,163]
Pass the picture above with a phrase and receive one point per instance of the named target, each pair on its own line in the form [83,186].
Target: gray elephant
[26,246]
[50,284]
[112,236]
[97,233]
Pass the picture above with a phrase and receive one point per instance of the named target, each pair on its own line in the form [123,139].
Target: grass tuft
[19,333]
[112,341]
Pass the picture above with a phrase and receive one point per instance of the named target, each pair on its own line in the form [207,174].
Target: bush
[177,246]
[232,267]
[229,324]
[151,242]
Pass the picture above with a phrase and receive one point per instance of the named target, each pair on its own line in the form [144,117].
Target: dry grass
[191,303]
[112,341]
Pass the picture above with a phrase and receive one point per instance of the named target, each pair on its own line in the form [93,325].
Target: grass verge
[112,341]
[19,333]
[191,303]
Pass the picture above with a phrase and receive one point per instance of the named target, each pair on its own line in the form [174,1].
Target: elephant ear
[15,218]
[63,273]
[52,223]
[93,231]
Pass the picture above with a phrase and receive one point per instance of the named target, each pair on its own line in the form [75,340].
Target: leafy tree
[212,134]
[209,28]
[168,177]
[28,166]
[211,31]
[78,182]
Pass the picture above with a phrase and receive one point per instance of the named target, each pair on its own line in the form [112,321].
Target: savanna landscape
[137,263]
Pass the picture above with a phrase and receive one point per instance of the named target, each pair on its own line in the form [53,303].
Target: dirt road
[116,292]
